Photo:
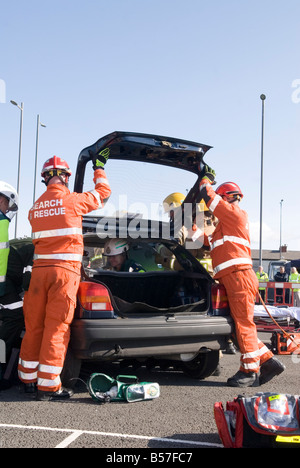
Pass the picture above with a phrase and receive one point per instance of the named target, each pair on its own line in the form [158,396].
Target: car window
[152,256]
[140,187]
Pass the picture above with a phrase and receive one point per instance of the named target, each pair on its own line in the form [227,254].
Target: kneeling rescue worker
[232,264]
[56,220]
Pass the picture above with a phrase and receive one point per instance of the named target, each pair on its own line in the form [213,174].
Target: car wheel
[202,366]
[71,370]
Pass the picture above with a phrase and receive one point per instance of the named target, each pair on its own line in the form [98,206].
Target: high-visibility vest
[295,278]
[262,277]
[4,250]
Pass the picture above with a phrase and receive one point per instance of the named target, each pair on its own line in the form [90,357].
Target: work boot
[230,348]
[244,379]
[30,387]
[61,394]
[270,369]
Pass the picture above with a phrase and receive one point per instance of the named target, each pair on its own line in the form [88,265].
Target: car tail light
[219,300]
[94,300]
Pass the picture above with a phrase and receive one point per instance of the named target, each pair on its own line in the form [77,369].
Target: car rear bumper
[110,339]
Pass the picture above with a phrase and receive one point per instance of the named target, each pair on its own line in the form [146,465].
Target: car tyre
[202,366]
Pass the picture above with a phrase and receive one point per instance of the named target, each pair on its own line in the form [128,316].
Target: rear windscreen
[140,188]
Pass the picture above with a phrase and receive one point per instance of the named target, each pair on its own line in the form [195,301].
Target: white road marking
[66,442]
[75,433]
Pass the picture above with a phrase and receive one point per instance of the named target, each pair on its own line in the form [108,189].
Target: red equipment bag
[264,420]
[283,345]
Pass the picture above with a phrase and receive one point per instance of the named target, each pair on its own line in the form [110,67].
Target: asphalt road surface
[179,421]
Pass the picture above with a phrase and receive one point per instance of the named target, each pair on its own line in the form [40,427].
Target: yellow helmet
[202,206]
[173,201]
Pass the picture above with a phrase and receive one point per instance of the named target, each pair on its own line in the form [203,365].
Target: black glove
[100,159]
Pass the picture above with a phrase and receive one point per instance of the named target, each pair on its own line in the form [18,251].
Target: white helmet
[11,195]
[115,247]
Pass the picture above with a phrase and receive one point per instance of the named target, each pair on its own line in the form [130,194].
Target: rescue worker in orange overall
[56,220]
[232,264]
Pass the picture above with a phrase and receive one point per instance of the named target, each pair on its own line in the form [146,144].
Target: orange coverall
[49,304]
[232,264]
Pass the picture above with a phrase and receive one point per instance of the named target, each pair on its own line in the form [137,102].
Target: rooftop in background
[268,255]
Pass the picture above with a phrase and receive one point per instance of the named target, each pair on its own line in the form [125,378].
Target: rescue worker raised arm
[232,265]
[56,221]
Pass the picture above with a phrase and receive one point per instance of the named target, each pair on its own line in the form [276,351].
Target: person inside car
[116,251]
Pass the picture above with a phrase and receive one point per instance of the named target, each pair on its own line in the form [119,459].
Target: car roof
[143,147]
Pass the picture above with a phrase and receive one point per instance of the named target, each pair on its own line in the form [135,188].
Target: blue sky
[192,69]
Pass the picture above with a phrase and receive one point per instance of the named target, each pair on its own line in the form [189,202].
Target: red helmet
[230,190]
[56,163]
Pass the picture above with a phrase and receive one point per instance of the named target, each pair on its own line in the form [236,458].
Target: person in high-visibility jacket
[12,325]
[8,208]
[295,278]
[232,264]
[262,277]
[56,220]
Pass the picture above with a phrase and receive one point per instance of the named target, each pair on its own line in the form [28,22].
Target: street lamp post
[262,97]
[280,241]
[38,124]
[20,151]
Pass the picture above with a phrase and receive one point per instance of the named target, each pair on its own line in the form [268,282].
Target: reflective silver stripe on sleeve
[4,245]
[215,203]
[101,180]
[96,194]
[232,262]
[234,239]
